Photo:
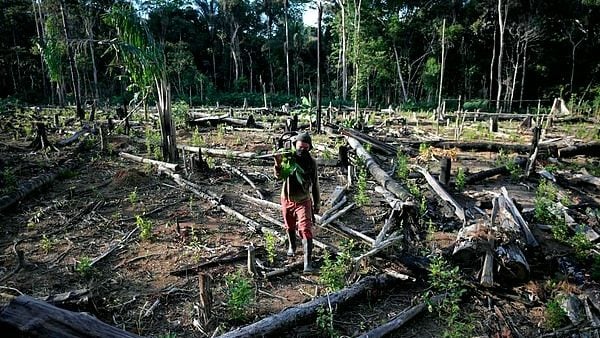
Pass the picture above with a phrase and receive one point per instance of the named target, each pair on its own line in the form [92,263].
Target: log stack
[499,242]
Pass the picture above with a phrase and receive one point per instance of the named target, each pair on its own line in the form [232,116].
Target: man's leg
[289,221]
[304,216]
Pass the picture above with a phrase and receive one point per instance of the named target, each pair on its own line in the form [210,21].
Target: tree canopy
[377,52]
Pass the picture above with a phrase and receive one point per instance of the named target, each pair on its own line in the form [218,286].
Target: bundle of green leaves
[290,167]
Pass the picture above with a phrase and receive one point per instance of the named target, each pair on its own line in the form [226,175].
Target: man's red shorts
[298,215]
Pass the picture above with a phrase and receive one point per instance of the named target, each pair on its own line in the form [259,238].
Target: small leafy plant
[270,246]
[333,272]
[461,179]
[133,196]
[325,322]
[361,198]
[145,227]
[46,244]
[444,278]
[554,314]
[84,266]
[197,140]
[240,294]
[402,169]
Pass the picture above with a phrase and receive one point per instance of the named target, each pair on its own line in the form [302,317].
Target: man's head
[303,141]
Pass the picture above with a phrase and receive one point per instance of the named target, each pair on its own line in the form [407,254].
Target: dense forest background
[375,52]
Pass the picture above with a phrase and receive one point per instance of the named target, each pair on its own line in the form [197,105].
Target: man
[297,206]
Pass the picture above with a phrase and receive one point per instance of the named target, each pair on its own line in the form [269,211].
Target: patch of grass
[402,169]
[443,278]
[333,272]
[581,244]
[325,322]
[145,227]
[133,196]
[46,244]
[8,181]
[555,316]
[461,179]
[503,159]
[197,140]
[84,266]
[271,246]
[240,294]
[361,198]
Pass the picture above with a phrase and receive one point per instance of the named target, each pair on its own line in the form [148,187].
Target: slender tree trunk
[286,47]
[398,68]
[524,65]
[357,4]
[39,28]
[501,26]
[442,68]
[319,14]
[90,32]
[492,68]
[344,53]
[74,79]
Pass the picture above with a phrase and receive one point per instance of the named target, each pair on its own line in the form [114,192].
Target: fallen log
[170,166]
[502,170]
[218,152]
[459,211]
[25,316]
[244,176]
[307,311]
[523,226]
[379,174]
[401,319]
[27,187]
[591,149]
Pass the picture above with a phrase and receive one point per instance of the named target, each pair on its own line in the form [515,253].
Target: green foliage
[289,166]
[544,204]
[402,169]
[240,294]
[333,272]
[133,196]
[513,168]
[581,244]
[361,198]
[46,244]
[220,132]
[210,162]
[424,150]
[325,322]
[595,270]
[271,246]
[443,278]
[197,140]
[461,179]
[431,75]
[554,314]
[423,206]
[168,335]
[179,112]
[8,181]
[84,266]
[413,188]
[145,227]
[153,142]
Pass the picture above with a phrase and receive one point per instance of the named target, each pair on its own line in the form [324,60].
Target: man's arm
[316,194]
[277,166]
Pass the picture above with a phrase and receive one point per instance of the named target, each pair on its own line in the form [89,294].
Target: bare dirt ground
[93,207]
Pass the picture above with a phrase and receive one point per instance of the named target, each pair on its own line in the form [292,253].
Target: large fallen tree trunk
[218,152]
[170,166]
[588,149]
[510,234]
[401,319]
[502,170]
[28,317]
[29,186]
[459,211]
[307,311]
[380,175]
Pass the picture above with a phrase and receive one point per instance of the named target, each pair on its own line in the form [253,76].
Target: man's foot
[291,235]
